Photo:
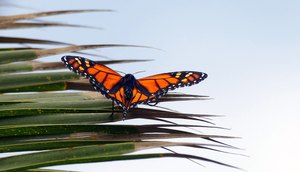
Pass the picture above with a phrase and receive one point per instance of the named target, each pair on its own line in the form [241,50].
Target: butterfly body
[127,91]
[129,84]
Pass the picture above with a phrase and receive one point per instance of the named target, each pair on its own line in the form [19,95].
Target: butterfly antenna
[139,72]
[121,72]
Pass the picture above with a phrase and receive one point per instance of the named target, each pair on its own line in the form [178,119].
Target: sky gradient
[249,49]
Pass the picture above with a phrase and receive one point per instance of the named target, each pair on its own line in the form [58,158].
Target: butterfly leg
[112,110]
[124,114]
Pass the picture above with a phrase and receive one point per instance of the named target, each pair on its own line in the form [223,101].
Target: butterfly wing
[150,88]
[110,83]
[105,80]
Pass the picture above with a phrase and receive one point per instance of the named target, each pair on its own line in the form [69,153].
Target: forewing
[104,79]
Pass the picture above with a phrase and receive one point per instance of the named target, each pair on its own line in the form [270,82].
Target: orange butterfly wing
[150,88]
[104,79]
[146,90]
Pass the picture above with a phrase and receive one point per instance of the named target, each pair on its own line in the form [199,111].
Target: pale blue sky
[250,50]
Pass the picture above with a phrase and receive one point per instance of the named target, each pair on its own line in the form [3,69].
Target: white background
[249,49]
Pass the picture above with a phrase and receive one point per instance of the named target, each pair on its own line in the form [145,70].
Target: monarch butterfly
[127,91]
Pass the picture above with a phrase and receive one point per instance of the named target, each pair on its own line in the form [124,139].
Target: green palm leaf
[31,54]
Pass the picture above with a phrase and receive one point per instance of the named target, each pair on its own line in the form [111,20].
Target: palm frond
[13,18]
[31,54]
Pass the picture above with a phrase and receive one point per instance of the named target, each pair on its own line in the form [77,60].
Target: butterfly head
[129,77]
